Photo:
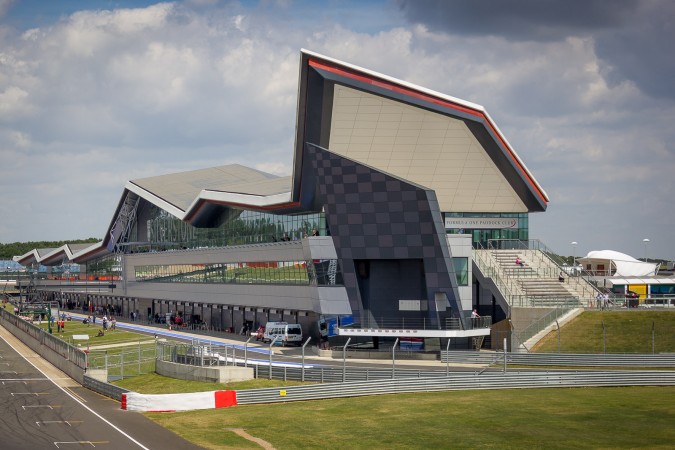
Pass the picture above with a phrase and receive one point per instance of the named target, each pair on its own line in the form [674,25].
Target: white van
[288,333]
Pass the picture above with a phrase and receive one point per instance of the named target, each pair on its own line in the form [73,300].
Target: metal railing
[124,363]
[453,323]
[457,381]
[200,354]
[560,359]
[542,251]
[67,351]
[541,324]
[546,265]
[107,389]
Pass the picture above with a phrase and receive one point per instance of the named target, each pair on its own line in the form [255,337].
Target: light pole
[574,255]
[646,241]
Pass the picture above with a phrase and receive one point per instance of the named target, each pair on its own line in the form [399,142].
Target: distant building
[623,274]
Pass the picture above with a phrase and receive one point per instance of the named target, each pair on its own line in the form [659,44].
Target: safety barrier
[62,355]
[459,381]
[134,401]
[455,381]
[107,389]
[327,374]
[561,359]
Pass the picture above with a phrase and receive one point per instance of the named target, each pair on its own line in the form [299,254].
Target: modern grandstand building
[372,234]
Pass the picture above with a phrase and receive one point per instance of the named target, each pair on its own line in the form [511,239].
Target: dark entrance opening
[383,283]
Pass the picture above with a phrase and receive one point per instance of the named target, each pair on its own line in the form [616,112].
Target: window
[461,270]
[261,272]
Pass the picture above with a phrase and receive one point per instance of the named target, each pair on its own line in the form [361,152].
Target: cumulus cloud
[630,37]
[95,98]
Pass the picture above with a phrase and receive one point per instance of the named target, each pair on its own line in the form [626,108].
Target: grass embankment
[624,332]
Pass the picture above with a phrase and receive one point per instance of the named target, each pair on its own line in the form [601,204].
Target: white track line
[77,400]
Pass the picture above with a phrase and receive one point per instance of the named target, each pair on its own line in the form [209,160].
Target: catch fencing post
[504,355]
[303,356]
[653,337]
[246,351]
[393,360]
[447,359]
[344,360]
[271,344]
[558,325]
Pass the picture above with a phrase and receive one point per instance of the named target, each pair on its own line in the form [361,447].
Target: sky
[98,92]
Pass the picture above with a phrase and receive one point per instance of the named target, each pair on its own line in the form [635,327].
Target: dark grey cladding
[389,222]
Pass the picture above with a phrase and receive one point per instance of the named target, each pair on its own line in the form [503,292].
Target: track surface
[41,408]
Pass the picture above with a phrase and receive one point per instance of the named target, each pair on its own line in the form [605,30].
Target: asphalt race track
[46,410]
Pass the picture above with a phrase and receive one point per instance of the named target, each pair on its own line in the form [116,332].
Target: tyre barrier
[133,401]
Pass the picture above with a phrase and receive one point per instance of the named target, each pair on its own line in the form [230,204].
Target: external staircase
[534,283]
[531,292]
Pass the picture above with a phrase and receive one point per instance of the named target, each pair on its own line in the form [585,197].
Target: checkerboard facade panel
[372,215]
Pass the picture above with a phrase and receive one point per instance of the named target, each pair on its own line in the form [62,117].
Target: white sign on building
[482,223]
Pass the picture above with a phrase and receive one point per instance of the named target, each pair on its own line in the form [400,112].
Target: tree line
[8,251]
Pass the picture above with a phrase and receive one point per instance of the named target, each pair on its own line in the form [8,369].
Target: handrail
[492,270]
[536,244]
[540,324]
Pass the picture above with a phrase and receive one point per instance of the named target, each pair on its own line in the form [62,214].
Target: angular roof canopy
[443,143]
[440,142]
[52,256]
[182,190]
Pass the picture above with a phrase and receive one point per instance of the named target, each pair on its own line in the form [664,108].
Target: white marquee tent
[618,264]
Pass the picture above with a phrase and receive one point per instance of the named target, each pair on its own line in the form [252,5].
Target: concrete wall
[218,374]
[35,344]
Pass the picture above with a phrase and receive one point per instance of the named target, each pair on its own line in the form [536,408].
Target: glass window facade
[238,227]
[480,237]
[319,272]
[108,267]
[461,270]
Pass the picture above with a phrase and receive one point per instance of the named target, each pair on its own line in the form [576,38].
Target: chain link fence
[124,362]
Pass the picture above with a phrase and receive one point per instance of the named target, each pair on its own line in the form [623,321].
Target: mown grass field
[76,327]
[630,417]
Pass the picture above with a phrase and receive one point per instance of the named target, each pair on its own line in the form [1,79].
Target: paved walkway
[239,342]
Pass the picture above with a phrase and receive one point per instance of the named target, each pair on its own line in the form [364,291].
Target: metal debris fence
[124,362]
[458,381]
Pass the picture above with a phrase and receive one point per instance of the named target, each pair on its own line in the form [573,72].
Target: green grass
[116,336]
[622,417]
[624,332]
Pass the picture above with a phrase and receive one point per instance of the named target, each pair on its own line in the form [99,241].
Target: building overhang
[318,76]
[412,333]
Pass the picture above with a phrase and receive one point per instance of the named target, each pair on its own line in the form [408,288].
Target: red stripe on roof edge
[428,98]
